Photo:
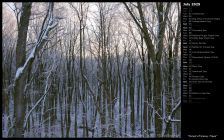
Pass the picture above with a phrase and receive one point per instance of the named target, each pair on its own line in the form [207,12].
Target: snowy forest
[91,69]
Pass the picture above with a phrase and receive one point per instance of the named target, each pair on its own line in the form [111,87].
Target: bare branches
[177,106]
[134,18]
[48,24]
[144,29]
[17,11]
[44,95]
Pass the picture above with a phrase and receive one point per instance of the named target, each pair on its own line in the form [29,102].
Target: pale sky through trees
[119,16]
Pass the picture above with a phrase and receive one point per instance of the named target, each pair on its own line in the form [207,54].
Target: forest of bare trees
[91,69]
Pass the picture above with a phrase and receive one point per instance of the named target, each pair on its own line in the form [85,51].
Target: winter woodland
[91,69]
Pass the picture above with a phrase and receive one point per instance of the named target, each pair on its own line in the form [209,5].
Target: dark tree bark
[19,106]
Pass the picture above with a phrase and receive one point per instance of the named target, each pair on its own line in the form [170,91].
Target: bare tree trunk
[162,17]
[130,75]
[19,97]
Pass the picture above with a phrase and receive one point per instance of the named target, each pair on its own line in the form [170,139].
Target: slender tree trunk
[130,70]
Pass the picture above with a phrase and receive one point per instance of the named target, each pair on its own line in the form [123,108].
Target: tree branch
[133,16]
[42,39]
[169,117]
